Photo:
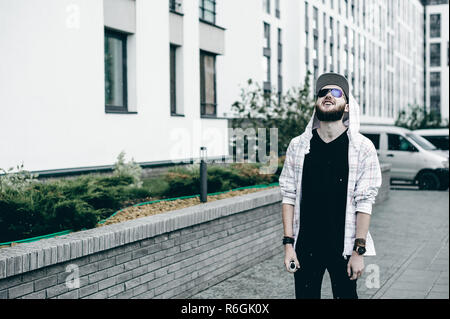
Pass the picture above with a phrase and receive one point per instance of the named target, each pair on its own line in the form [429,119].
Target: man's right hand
[290,255]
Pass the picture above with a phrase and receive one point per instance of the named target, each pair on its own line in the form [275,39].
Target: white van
[412,157]
[436,136]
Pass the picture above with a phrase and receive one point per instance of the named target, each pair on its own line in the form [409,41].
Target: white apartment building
[437,56]
[377,44]
[83,80]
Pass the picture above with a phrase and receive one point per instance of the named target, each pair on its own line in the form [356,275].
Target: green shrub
[186,181]
[29,209]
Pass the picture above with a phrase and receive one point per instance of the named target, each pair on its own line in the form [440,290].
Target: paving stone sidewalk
[411,235]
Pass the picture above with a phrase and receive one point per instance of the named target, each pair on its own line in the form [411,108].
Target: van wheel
[443,184]
[429,181]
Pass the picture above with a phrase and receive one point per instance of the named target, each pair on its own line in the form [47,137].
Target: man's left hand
[355,266]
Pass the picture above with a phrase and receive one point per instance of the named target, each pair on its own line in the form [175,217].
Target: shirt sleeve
[368,181]
[287,177]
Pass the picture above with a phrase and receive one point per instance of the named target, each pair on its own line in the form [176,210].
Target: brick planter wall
[171,255]
[176,254]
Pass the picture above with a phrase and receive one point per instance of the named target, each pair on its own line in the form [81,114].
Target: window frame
[202,11]
[123,38]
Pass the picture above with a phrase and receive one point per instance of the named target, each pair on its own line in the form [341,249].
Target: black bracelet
[288,240]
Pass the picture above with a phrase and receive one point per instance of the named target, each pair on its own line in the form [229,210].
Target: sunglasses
[334,92]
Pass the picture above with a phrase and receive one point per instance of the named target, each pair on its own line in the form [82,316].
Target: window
[399,143]
[316,18]
[277,8]
[435,2]
[208,10]
[441,142]
[266,5]
[306,21]
[267,35]
[208,83]
[173,79]
[419,140]
[435,83]
[280,63]
[115,71]
[435,25]
[267,55]
[435,54]
[174,5]
[375,138]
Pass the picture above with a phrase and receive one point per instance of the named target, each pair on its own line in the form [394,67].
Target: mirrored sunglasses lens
[336,93]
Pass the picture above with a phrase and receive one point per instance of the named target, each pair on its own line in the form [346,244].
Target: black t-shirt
[324,196]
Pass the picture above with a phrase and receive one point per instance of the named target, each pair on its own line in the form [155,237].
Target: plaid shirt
[364,177]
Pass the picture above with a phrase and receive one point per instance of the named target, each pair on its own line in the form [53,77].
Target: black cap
[334,79]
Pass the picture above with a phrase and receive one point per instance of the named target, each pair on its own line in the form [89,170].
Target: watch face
[361,250]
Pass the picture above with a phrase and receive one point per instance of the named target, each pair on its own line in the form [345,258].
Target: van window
[421,141]
[375,138]
[441,142]
[399,143]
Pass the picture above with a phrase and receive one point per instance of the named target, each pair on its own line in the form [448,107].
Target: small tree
[132,169]
[289,113]
[416,117]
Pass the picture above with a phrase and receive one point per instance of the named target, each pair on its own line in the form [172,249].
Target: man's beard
[330,116]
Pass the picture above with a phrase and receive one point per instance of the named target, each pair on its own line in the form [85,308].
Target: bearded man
[328,184]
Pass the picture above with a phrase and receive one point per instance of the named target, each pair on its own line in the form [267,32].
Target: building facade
[437,56]
[83,80]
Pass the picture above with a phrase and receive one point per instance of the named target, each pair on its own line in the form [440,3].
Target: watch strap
[288,240]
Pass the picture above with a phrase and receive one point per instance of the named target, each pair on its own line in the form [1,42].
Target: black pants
[308,279]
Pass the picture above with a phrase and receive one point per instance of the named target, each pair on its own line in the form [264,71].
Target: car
[413,158]
[438,137]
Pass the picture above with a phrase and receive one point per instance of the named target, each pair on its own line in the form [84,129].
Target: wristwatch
[360,246]
[288,240]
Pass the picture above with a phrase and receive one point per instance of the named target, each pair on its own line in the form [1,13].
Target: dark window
[208,83]
[280,64]
[435,25]
[267,6]
[399,143]
[267,35]
[441,142]
[435,83]
[316,18]
[375,138]
[267,55]
[435,104]
[435,54]
[277,9]
[174,5]
[435,2]
[173,79]
[115,71]
[208,10]
[306,22]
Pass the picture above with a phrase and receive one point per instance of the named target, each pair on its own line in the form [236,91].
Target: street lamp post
[203,175]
